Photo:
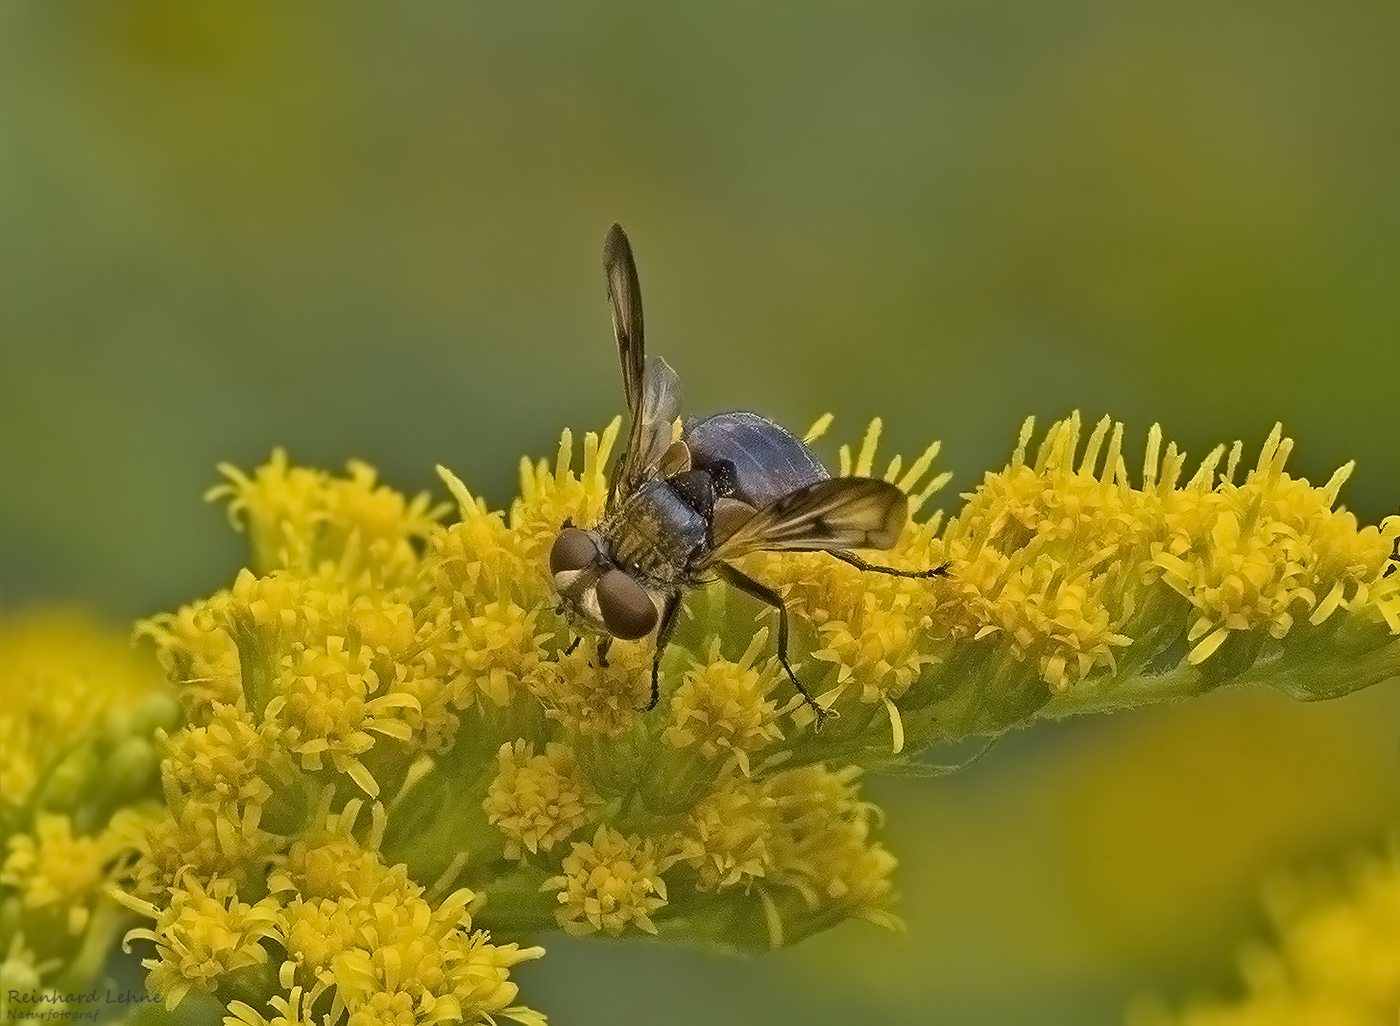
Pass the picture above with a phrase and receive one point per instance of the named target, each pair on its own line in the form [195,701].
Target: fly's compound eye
[628,610]
[573,550]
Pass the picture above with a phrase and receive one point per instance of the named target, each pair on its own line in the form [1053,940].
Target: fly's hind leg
[848,557]
[663,638]
[738,579]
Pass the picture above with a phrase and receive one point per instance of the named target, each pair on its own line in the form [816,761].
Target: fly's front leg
[847,557]
[663,638]
[738,579]
[604,643]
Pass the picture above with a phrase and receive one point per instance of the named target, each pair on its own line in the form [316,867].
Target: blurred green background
[367,230]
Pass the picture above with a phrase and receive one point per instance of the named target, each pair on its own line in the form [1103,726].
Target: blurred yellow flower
[62,675]
[79,715]
[1337,959]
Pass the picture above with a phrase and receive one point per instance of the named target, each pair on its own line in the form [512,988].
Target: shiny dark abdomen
[769,460]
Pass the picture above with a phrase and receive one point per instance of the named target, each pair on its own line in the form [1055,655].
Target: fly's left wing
[652,389]
[838,513]
[625,304]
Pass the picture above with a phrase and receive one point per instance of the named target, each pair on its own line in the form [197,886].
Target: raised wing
[838,513]
[652,389]
[625,302]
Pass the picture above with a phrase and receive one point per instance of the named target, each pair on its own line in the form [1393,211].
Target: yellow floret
[202,934]
[309,521]
[720,708]
[609,884]
[725,838]
[821,847]
[536,801]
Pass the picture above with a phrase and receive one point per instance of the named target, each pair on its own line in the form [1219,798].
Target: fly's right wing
[652,389]
[837,513]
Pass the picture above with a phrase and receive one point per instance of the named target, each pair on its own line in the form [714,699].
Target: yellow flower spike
[396,741]
[536,801]
[1073,573]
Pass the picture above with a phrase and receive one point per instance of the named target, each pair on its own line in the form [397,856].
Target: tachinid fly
[678,512]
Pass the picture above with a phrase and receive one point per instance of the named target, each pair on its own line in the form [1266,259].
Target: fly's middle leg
[738,579]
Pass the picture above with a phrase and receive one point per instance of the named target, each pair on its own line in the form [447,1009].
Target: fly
[678,512]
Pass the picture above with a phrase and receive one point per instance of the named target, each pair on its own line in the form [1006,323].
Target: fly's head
[591,588]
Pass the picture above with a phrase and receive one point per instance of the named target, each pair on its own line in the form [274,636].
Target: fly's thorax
[655,536]
[592,588]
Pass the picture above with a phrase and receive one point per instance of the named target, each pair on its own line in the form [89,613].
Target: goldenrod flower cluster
[1071,589]
[79,712]
[1337,962]
[321,691]
[393,745]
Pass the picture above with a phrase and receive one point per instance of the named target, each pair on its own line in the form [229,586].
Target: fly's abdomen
[655,535]
[768,461]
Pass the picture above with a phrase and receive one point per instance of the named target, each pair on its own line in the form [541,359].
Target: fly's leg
[573,644]
[604,643]
[663,638]
[738,579]
[847,557]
